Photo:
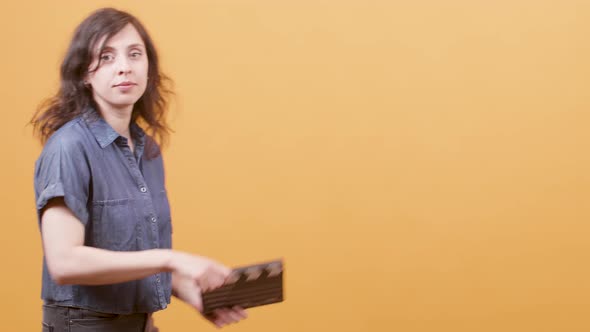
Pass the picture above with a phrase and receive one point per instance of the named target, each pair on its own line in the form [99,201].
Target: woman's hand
[189,292]
[222,317]
[150,326]
[207,273]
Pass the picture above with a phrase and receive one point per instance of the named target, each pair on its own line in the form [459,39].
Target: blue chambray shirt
[121,199]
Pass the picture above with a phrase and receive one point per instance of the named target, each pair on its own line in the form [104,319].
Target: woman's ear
[86,78]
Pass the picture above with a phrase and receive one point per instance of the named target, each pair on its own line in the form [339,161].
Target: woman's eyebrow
[136,46]
[107,48]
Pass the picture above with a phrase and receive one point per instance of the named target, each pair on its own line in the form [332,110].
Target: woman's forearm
[84,265]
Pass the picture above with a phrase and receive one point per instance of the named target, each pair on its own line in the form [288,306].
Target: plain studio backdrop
[419,165]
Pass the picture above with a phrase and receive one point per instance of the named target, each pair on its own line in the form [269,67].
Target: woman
[99,185]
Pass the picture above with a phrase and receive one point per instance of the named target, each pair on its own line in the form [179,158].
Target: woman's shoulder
[69,137]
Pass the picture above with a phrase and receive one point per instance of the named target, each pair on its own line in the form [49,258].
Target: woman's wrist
[167,258]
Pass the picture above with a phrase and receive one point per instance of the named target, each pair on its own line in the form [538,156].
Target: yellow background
[420,165]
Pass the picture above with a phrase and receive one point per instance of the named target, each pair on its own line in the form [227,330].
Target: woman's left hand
[150,325]
[189,292]
[226,316]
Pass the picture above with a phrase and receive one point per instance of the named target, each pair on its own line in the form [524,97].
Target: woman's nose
[124,66]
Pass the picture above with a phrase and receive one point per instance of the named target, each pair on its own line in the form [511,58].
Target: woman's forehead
[123,39]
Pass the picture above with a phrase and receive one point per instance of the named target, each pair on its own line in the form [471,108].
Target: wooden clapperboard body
[247,287]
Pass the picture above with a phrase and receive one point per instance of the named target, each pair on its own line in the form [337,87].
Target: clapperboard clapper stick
[247,287]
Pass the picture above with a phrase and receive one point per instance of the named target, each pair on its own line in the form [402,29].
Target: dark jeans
[68,319]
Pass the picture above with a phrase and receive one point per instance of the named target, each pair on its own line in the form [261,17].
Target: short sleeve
[62,170]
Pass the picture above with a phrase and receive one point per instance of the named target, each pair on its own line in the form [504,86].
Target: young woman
[100,194]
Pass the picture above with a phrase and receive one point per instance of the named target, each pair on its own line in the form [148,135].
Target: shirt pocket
[114,224]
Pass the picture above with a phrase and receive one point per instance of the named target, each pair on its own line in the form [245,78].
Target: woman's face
[121,78]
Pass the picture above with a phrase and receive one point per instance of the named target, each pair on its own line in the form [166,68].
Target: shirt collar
[105,134]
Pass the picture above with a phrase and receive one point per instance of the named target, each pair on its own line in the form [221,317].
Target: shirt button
[153,219]
[142,189]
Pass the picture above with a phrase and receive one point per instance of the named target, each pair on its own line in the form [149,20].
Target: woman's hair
[74,97]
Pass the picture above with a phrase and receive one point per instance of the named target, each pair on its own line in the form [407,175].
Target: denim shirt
[120,198]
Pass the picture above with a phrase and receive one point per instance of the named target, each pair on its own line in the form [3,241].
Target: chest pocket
[114,224]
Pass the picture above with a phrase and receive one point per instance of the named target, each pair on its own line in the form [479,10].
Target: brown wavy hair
[74,97]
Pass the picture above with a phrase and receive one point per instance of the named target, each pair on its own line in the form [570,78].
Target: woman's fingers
[240,312]
[203,284]
[221,318]
[213,277]
[229,316]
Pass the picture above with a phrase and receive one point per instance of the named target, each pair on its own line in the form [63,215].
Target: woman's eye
[135,54]
[106,57]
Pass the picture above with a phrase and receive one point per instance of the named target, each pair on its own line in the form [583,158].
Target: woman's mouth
[125,86]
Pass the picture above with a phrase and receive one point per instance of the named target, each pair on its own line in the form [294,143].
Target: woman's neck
[119,119]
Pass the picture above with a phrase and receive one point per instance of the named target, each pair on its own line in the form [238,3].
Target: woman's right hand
[207,273]
[189,292]
[192,275]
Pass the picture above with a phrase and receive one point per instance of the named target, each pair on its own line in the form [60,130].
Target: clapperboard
[247,287]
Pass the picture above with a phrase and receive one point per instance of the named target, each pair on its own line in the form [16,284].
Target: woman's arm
[70,262]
